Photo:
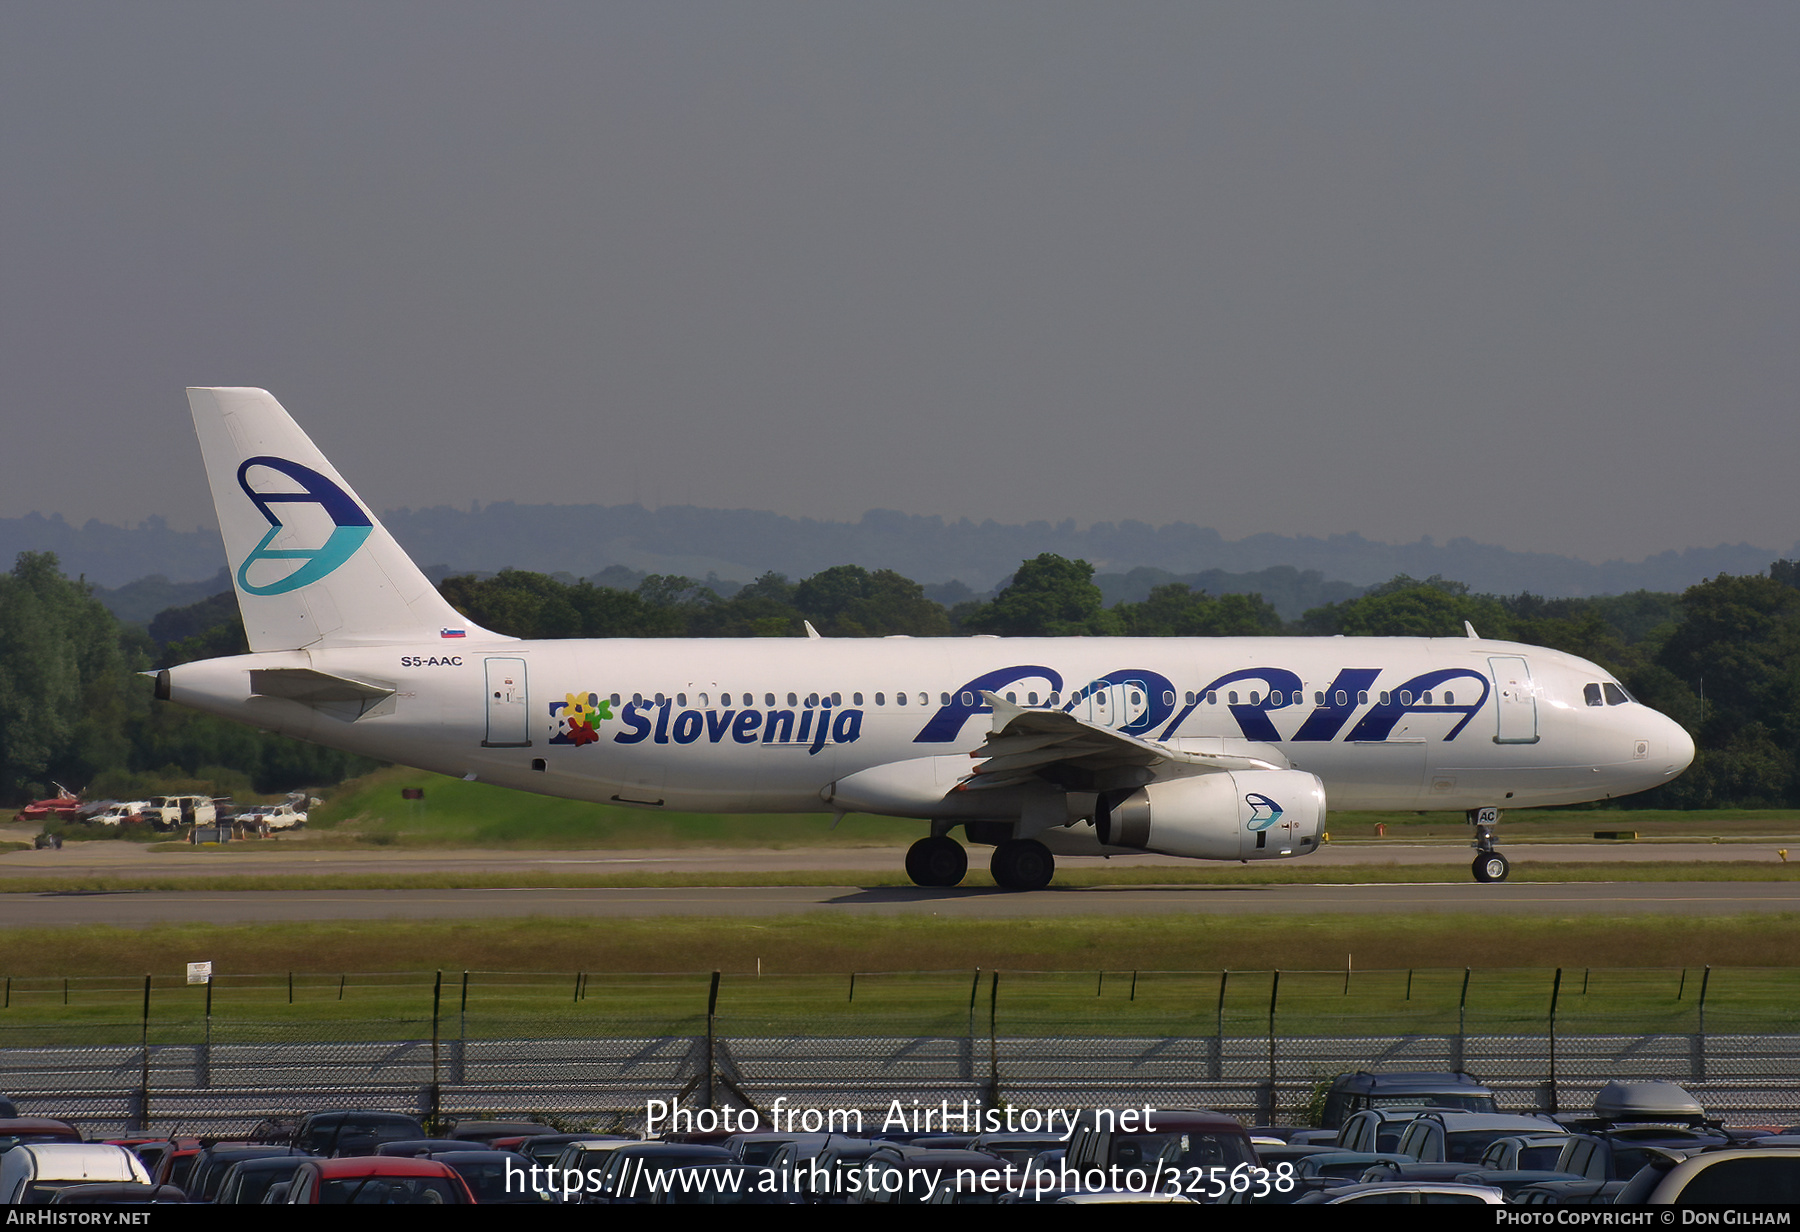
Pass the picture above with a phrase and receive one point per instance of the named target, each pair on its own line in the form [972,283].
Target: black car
[354,1131]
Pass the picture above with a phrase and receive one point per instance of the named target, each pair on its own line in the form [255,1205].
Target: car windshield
[388,1191]
[1182,1150]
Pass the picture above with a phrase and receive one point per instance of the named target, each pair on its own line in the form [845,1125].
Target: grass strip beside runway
[1455,872]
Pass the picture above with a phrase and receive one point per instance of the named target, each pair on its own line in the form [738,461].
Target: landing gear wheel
[1022,864]
[936,861]
[1491,866]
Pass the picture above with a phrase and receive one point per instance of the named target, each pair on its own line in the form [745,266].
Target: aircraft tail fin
[311,564]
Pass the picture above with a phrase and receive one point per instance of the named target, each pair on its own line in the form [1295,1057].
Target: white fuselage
[772,725]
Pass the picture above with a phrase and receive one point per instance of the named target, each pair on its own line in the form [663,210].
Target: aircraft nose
[1680,749]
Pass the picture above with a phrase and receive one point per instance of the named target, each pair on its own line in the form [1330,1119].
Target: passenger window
[703,701]
[1212,697]
[681,699]
[1406,697]
[1341,698]
[615,701]
[769,699]
[1230,697]
[1055,697]
[1013,698]
[1362,697]
[1187,699]
[925,699]
[637,699]
[812,699]
[1427,698]
[856,699]
[945,696]
[1168,697]
[1449,699]
[899,699]
[793,699]
[1031,699]
[881,698]
[837,699]
[1299,697]
[1255,698]
[1319,697]
[968,699]
[661,700]
[1591,693]
[1384,697]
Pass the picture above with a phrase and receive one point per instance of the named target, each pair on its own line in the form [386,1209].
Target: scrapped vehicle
[377,1180]
[283,816]
[1451,1089]
[65,805]
[130,813]
[208,1172]
[173,812]
[33,1172]
[1526,1151]
[1635,1125]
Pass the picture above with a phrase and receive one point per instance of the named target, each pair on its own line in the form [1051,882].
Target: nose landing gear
[1490,866]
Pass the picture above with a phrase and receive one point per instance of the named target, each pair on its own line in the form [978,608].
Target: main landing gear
[1018,863]
[1490,865]
[936,861]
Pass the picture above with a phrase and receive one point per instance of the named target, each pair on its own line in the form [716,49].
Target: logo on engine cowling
[1264,812]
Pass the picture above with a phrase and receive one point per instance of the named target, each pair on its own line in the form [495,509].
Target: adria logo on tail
[350,526]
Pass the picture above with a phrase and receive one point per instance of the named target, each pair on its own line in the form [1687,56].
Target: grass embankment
[369,812]
[1143,976]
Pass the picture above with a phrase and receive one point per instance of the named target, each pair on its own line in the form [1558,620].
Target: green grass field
[1098,1001]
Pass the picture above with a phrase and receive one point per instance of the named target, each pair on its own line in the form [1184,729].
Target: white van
[168,812]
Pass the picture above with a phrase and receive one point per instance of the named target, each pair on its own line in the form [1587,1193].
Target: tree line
[1723,659]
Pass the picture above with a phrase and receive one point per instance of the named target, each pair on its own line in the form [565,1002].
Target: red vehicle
[378,1180]
[65,805]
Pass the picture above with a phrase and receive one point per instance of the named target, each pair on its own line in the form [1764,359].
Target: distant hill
[585,539]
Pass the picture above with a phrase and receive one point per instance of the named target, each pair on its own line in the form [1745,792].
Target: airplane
[1213,748]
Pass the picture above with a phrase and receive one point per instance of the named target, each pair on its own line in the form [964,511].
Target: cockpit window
[1592,693]
[1616,696]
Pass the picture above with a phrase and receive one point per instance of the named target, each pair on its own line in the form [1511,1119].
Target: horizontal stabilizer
[339,695]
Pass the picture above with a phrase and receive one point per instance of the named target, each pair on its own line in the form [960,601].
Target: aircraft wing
[1049,744]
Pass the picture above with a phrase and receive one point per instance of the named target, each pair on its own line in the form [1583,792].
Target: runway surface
[133,909]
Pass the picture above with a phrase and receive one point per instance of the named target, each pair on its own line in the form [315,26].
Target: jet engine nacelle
[1228,815]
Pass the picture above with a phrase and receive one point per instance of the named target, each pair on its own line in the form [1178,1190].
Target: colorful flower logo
[576,716]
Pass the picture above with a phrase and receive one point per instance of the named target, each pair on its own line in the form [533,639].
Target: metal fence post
[205,1074]
[1460,1061]
[143,1117]
[1700,1035]
[1218,1044]
[992,1098]
[1274,994]
[1555,992]
[459,1075]
[436,1099]
[712,1012]
[969,1042]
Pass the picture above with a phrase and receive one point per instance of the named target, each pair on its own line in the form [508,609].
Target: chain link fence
[588,1051]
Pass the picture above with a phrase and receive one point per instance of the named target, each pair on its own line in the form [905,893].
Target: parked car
[32,1172]
[1403,1193]
[171,812]
[1462,1137]
[354,1131]
[1436,1089]
[377,1180]
[248,1182]
[1757,1177]
[130,813]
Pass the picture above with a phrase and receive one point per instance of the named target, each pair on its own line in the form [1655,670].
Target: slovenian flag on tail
[451,633]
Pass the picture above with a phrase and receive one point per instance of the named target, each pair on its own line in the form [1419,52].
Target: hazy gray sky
[1524,272]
